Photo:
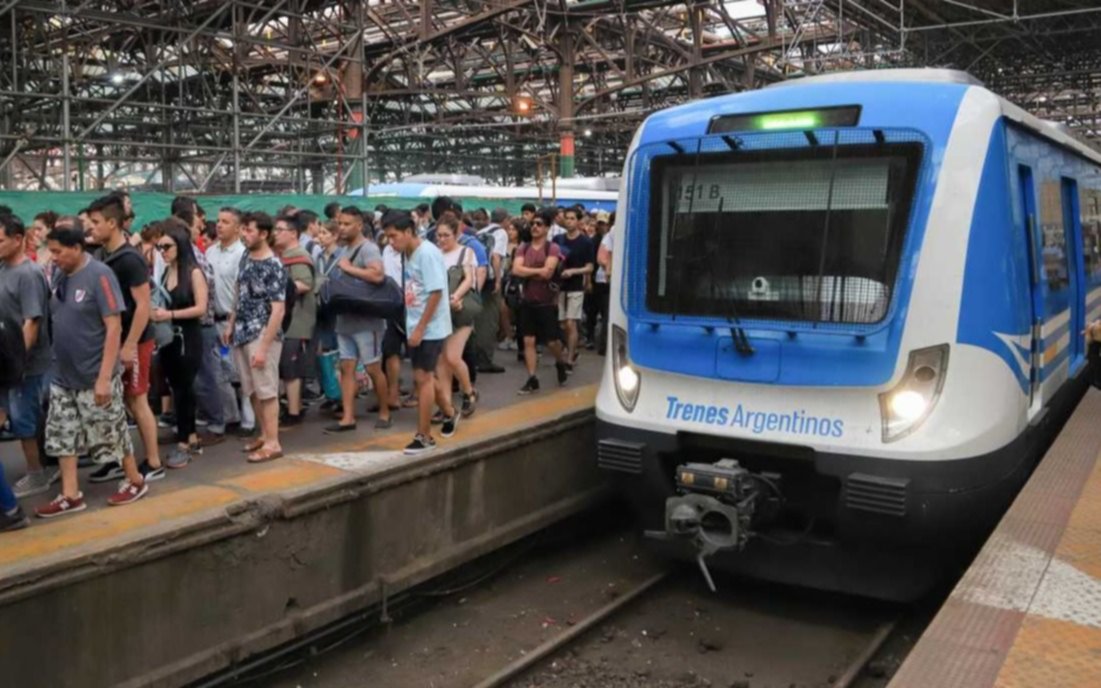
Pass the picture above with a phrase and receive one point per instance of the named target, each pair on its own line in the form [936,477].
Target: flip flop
[409,402]
[264,456]
[252,447]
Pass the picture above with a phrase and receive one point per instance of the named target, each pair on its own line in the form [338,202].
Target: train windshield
[811,234]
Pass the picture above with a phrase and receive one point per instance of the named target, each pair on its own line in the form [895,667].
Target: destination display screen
[848,116]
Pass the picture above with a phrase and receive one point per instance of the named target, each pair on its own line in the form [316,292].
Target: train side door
[1035,276]
[1073,224]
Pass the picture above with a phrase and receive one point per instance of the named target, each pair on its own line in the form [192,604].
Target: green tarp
[149,207]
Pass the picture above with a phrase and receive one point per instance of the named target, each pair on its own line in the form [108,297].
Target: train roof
[884,81]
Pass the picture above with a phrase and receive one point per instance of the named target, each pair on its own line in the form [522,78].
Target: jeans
[208,382]
[8,501]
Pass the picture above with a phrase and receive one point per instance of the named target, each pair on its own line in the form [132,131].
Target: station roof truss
[304,94]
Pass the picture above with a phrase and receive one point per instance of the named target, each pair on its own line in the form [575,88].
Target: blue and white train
[847,318]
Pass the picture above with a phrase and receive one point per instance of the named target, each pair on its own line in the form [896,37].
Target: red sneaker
[61,506]
[128,493]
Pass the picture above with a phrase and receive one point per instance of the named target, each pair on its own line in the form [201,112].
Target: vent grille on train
[875,494]
[617,455]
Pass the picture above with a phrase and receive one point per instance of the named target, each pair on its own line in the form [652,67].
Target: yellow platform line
[1064,652]
[80,530]
[93,529]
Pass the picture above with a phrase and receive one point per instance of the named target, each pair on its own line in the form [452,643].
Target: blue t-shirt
[472,242]
[425,273]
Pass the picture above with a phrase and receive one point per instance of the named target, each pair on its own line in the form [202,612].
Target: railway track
[593,609]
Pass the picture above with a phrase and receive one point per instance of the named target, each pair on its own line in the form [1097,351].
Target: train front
[783,396]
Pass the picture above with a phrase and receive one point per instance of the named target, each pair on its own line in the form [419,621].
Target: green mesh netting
[149,207]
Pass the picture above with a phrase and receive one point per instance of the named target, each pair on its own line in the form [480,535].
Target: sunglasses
[165,247]
[538,223]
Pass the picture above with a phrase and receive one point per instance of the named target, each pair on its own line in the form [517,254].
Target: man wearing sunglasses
[86,413]
[536,262]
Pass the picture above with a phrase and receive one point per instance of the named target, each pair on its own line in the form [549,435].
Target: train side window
[1053,236]
[1089,202]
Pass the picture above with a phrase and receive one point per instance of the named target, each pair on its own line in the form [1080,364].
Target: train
[847,318]
[593,193]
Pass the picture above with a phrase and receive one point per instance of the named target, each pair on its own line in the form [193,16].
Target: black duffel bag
[344,294]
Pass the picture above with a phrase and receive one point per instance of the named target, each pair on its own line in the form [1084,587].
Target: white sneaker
[36,483]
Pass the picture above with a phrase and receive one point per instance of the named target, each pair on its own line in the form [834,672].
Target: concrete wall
[263,572]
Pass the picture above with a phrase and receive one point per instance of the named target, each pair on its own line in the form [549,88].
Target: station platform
[224,559]
[1027,613]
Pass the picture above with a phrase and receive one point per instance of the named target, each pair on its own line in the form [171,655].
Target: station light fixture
[320,79]
[588,133]
[118,78]
[523,105]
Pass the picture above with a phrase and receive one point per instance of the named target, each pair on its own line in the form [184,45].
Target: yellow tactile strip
[1028,611]
[84,533]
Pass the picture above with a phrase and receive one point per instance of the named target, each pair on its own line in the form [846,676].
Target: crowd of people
[231,327]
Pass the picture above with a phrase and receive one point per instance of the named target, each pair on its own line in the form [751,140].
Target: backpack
[486,237]
[291,297]
[13,353]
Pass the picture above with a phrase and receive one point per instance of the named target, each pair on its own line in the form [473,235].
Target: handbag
[472,302]
[163,332]
[345,294]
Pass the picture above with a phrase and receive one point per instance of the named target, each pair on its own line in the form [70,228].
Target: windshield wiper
[676,218]
[737,333]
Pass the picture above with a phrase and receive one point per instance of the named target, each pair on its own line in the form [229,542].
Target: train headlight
[627,379]
[906,407]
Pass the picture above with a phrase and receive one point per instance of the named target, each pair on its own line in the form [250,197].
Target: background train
[847,317]
[594,193]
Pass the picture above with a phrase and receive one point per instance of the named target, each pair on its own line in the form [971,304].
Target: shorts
[263,382]
[76,426]
[393,342]
[365,347]
[540,322]
[24,406]
[135,377]
[293,359]
[570,305]
[427,355]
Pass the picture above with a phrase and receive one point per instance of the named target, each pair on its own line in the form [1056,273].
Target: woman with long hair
[36,238]
[461,264]
[510,288]
[187,292]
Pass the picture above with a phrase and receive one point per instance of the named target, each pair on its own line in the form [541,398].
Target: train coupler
[715,508]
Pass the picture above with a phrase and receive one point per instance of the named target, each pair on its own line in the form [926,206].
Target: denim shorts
[24,406]
[365,347]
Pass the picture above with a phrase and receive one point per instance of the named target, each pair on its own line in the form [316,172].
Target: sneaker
[505,345]
[201,422]
[149,473]
[245,433]
[421,444]
[450,425]
[563,373]
[532,385]
[470,404]
[35,483]
[291,420]
[438,418]
[16,520]
[179,458]
[106,473]
[128,493]
[61,506]
[166,420]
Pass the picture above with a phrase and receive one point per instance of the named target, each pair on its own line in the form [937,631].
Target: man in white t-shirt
[602,286]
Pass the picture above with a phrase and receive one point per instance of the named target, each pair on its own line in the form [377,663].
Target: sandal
[263,456]
[253,446]
[409,402]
